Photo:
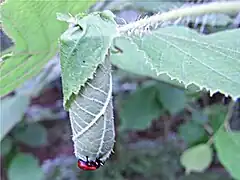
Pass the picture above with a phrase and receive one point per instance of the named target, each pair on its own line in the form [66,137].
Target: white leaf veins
[91,115]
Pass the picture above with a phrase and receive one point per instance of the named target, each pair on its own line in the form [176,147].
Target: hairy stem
[195,10]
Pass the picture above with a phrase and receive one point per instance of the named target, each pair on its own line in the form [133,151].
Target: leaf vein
[204,64]
[83,109]
[97,89]
[92,99]
[198,42]
[100,113]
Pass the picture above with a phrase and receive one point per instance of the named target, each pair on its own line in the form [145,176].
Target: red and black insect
[89,165]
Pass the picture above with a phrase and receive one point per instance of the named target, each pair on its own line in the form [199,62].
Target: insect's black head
[97,163]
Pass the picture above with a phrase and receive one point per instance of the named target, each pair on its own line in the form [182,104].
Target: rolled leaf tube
[91,116]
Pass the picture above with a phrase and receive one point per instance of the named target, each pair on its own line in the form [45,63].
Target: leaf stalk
[195,10]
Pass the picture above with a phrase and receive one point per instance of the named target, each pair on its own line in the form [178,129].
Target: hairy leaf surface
[214,19]
[91,115]
[210,62]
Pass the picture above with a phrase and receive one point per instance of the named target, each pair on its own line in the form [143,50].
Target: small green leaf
[228,149]
[35,31]
[191,132]
[83,48]
[140,109]
[12,111]
[199,117]
[197,158]
[6,146]
[173,99]
[24,167]
[33,135]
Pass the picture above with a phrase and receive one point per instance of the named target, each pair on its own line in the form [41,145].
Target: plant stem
[195,10]
[228,116]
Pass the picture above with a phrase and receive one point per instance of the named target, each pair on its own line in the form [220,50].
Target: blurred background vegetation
[155,121]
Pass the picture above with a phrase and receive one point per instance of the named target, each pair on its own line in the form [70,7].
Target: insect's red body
[86,165]
[89,165]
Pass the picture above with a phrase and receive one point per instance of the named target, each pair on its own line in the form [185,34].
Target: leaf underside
[82,48]
[211,62]
[35,30]
[91,115]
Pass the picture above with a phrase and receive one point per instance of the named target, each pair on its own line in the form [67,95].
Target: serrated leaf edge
[153,68]
[82,85]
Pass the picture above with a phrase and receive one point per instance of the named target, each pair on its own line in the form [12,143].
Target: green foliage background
[208,61]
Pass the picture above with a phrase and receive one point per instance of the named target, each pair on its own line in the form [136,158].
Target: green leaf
[199,117]
[25,166]
[140,109]
[172,98]
[197,158]
[6,146]
[211,62]
[228,147]
[126,62]
[33,135]
[12,111]
[35,31]
[191,132]
[83,48]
